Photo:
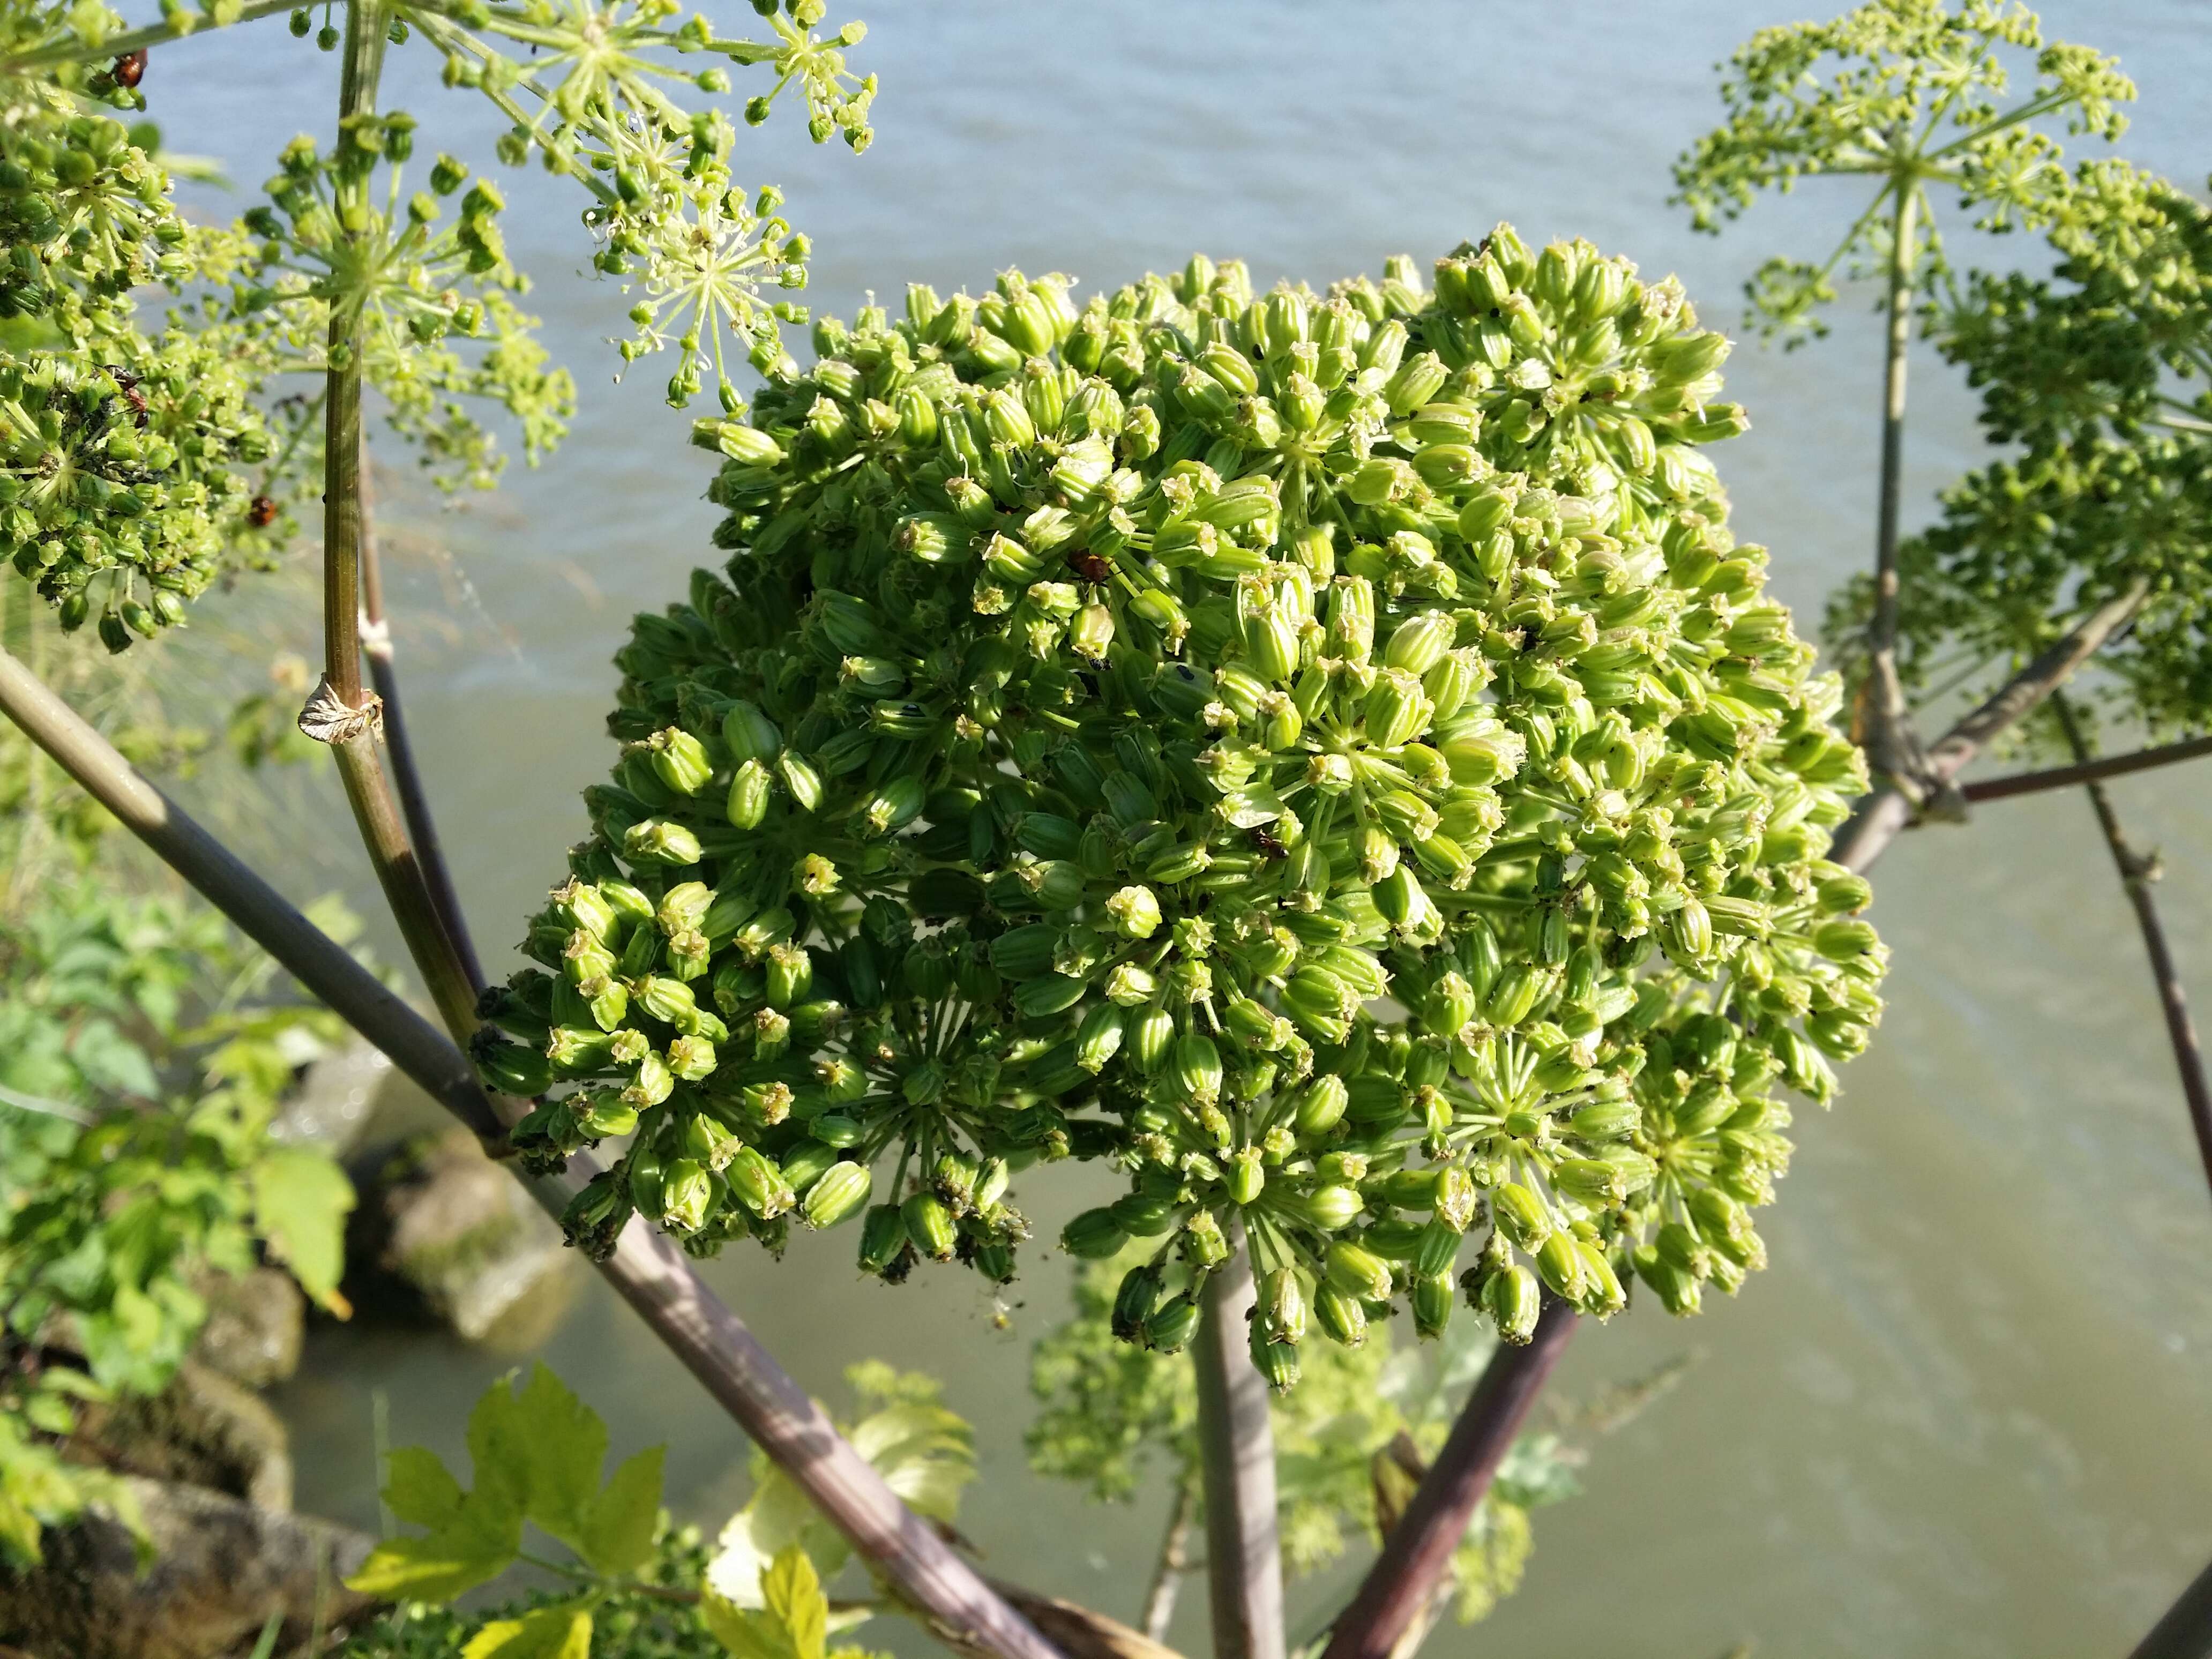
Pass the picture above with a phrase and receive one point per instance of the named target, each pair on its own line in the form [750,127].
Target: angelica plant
[1912,95]
[151,441]
[1325,757]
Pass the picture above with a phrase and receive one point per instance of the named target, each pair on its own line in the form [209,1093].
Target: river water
[1965,1411]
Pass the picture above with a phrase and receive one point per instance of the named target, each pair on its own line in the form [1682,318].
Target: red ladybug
[129,68]
[262,514]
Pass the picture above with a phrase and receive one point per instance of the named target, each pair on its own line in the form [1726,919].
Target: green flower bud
[759,1185]
[1093,1236]
[841,1193]
[1276,1361]
[1520,1215]
[1133,1303]
[1357,1271]
[883,1238]
[929,1224]
[1321,1107]
[1431,1301]
[679,760]
[1149,1035]
[1330,1207]
[660,841]
[1099,1038]
[1204,1245]
[1135,912]
[1512,1298]
[1198,1068]
[1245,1176]
[687,1195]
[1170,1327]
[1437,1249]
[1340,1314]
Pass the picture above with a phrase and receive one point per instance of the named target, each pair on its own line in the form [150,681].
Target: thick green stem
[155,34]
[1881,628]
[2138,872]
[344,715]
[406,776]
[1237,1449]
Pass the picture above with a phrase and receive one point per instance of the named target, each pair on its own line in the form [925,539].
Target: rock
[444,1231]
[203,1430]
[254,1327]
[221,1567]
[332,1104]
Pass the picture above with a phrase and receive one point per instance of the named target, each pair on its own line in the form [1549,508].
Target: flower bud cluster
[1324,755]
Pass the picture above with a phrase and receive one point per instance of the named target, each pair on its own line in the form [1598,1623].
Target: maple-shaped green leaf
[555,1632]
[617,1533]
[300,1202]
[794,1597]
[793,1620]
[420,1489]
[478,1541]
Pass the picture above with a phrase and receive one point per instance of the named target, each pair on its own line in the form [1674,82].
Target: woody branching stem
[1237,1449]
[340,713]
[2185,1631]
[2137,871]
[2103,766]
[645,1270]
[1400,1586]
[1881,815]
[1175,1560]
[407,776]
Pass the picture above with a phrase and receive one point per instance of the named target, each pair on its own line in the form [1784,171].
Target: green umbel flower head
[1326,757]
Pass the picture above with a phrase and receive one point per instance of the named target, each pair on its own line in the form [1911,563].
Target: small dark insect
[262,514]
[1265,839]
[1090,566]
[129,68]
[127,383]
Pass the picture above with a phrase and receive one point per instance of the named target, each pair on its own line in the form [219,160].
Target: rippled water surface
[1965,1411]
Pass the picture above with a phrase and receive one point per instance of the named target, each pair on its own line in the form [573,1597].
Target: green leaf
[617,1534]
[747,1635]
[477,1543]
[301,1201]
[547,1445]
[555,1632]
[419,1489]
[795,1600]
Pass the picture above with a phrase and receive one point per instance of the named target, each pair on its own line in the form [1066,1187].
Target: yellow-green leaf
[475,1546]
[556,1633]
[301,1201]
[419,1489]
[617,1534]
[795,1600]
[745,1635]
[544,1447]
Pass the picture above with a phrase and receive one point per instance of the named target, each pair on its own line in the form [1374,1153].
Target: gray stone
[221,1567]
[453,1234]
[254,1327]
